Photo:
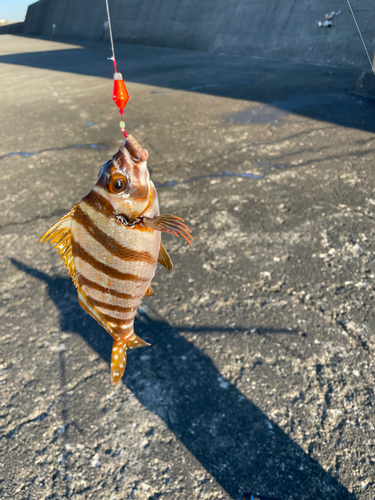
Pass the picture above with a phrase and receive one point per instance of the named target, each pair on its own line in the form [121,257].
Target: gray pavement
[260,377]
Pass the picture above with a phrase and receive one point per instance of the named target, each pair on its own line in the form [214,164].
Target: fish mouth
[126,221]
[136,151]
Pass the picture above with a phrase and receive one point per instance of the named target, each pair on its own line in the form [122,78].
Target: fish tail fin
[118,361]
[119,356]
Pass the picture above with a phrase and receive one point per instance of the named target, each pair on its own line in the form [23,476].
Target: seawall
[277,29]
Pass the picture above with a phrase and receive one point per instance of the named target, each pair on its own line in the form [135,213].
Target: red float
[120,94]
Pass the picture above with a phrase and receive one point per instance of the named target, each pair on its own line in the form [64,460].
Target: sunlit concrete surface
[260,373]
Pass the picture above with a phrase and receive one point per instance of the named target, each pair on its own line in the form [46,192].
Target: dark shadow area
[230,436]
[280,87]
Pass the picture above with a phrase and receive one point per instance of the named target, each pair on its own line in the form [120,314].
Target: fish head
[126,180]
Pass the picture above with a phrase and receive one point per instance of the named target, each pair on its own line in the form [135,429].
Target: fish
[110,243]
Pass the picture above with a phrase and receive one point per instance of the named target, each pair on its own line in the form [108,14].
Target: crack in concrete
[57,213]
[330,316]
[26,154]
[10,430]
[358,339]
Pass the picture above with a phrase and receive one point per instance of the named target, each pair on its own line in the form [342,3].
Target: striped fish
[110,243]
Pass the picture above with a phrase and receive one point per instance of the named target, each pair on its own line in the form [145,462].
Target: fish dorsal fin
[61,235]
[164,258]
[149,291]
[85,303]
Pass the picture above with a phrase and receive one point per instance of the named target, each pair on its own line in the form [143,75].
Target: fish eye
[117,184]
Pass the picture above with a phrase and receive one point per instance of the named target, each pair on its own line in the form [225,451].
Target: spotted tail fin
[118,359]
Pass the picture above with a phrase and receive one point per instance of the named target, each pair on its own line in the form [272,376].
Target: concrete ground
[260,377]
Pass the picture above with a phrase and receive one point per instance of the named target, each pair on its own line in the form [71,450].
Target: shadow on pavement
[316,92]
[230,436]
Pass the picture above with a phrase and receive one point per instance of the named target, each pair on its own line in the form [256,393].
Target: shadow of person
[229,435]
[303,89]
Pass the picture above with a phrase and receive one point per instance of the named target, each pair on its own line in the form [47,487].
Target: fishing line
[360,34]
[120,94]
[111,37]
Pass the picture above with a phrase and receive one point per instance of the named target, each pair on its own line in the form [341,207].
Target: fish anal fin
[119,356]
[85,303]
[164,258]
[168,224]
[149,292]
[61,235]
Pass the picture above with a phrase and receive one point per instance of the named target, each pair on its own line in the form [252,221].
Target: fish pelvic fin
[168,224]
[61,235]
[85,303]
[119,356]
[164,258]
[149,291]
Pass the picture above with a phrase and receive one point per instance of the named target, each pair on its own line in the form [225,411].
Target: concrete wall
[282,29]
[11,28]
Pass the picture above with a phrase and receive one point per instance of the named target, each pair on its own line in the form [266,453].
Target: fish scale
[111,242]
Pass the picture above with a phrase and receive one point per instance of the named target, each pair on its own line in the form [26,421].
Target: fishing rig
[120,95]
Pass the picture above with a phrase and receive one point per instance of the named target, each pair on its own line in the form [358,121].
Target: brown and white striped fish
[110,243]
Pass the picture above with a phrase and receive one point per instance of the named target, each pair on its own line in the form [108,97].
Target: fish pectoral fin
[61,235]
[119,356]
[85,303]
[149,292]
[168,224]
[164,258]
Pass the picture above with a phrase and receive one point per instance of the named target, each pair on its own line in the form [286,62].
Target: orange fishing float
[120,96]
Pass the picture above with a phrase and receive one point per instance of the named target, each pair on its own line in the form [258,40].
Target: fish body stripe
[111,272]
[121,318]
[117,321]
[110,307]
[111,291]
[100,253]
[110,299]
[131,287]
[129,237]
[108,242]
[127,330]
[99,202]
[152,208]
